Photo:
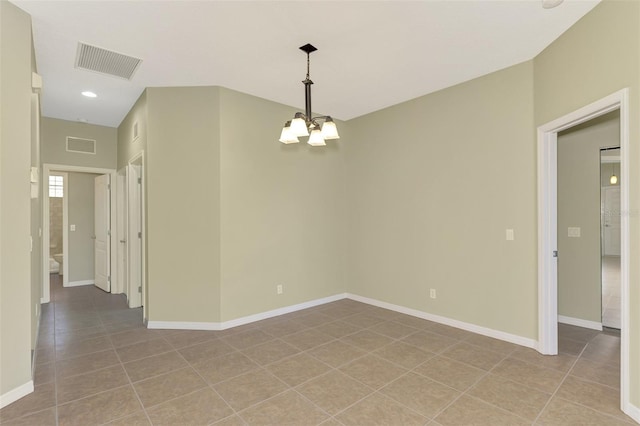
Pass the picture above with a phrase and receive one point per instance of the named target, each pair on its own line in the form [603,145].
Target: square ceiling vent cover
[104,61]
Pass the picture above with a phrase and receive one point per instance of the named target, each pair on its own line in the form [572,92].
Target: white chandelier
[303,124]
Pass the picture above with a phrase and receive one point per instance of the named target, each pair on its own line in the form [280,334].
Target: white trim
[496,334]
[281,311]
[80,283]
[138,160]
[65,230]
[181,325]
[15,394]
[547,228]
[593,325]
[547,243]
[489,332]
[633,412]
[48,168]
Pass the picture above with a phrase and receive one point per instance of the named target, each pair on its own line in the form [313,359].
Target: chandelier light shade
[304,124]
[287,135]
[316,138]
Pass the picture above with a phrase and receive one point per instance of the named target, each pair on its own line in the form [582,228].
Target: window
[56,186]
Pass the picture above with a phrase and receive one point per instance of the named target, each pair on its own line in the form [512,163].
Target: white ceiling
[371,54]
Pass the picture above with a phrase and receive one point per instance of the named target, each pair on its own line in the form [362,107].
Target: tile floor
[344,363]
[611,288]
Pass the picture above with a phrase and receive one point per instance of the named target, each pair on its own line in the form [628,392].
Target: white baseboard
[580,322]
[79,283]
[15,394]
[280,311]
[632,411]
[183,325]
[180,325]
[496,334]
[489,332]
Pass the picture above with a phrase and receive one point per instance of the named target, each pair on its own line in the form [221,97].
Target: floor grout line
[105,309]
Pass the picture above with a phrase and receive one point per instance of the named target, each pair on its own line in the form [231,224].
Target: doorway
[548,228]
[135,240]
[58,218]
[610,237]
[49,169]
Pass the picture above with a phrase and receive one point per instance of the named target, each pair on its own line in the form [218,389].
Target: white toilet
[58,259]
[54,267]
[55,260]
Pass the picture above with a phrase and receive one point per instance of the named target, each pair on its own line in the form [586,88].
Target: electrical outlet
[279,289]
[432,293]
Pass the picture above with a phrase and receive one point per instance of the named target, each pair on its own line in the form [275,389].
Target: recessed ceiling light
[89,94]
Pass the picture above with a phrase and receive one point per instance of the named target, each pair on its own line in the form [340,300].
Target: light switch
[510,236]
[72,228]
[573,232]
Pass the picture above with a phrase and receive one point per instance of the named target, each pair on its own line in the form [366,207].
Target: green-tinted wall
[433,185]
[183,204]
[282,211]
[17,314]
[596,57]
[579,274]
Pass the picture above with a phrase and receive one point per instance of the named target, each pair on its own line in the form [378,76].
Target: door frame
[138,160]
[121,283]
[108,250]
[64,268]
[548,227]
[48,168]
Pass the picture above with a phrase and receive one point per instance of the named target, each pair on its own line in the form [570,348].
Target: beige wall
[579,273]
[433,184]
[128,146]
[598,56]
[81,214]
[56,211]
[231,213]
[54,134]
[183,208]
[282,211]
[17,315]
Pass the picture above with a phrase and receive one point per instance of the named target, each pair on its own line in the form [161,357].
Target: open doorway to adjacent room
[610,236]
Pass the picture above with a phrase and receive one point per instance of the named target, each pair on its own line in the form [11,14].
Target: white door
[121,225]
[611,220]
[134,240]
[102,246]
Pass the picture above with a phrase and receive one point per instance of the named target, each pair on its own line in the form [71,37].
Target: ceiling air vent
[104,61]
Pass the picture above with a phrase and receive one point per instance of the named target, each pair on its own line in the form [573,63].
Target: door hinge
[109,186]
[139,234]
[555,253]
[140,289]
[109,278]
[140,180]
[109,232]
